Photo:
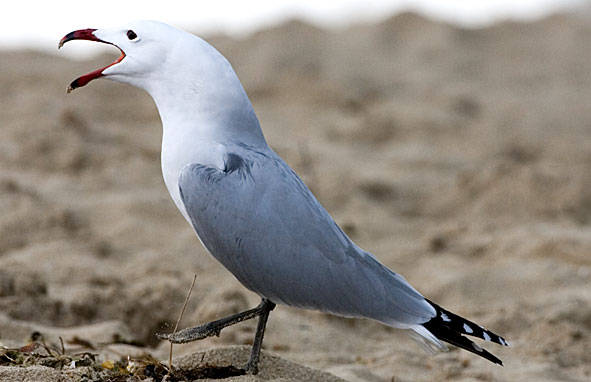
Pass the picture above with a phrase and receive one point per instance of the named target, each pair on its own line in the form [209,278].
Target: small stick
[62,344]
[47,348]
[179,320]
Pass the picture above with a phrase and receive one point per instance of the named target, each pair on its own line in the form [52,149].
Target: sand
[461,158]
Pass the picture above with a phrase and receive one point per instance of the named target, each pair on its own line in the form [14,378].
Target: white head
[187,77]
[146,47]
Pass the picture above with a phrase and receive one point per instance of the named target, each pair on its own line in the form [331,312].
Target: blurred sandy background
[461,158]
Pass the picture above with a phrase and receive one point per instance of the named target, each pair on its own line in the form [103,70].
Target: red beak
[82,34]
[87,34]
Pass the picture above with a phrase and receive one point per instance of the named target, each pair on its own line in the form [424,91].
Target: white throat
[204,112]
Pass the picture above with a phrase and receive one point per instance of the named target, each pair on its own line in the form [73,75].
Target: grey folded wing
[262,223]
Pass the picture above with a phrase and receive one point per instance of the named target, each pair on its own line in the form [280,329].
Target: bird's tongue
[87,34]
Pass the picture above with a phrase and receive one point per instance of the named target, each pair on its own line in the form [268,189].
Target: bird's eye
[131,35]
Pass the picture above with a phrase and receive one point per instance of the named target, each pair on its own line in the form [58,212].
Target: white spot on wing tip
[444,317]
[468,329]
[486,336]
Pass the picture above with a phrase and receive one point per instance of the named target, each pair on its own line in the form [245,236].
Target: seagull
[249,209]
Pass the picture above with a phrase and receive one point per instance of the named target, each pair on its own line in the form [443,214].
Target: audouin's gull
[248,207]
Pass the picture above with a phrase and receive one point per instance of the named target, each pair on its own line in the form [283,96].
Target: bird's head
[145,48]
[188,79]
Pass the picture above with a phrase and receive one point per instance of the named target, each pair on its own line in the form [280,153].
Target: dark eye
[131,35]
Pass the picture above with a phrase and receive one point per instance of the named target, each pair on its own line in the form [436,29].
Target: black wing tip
[449,327]
[445,333]
[465,326]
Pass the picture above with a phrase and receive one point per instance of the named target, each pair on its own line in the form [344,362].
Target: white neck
[203,113]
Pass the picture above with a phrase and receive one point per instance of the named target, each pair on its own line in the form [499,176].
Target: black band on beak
[82,34]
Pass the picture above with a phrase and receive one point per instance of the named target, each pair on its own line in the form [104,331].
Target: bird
[248,208]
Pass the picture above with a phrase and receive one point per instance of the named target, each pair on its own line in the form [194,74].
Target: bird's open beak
[87,34]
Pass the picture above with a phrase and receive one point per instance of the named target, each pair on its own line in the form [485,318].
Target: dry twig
[179,320]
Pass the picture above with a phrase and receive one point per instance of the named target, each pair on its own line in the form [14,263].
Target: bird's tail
[449,327]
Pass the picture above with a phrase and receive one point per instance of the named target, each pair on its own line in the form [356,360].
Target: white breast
[181,147]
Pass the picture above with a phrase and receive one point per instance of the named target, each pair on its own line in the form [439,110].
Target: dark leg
[214,328]
[252,366]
